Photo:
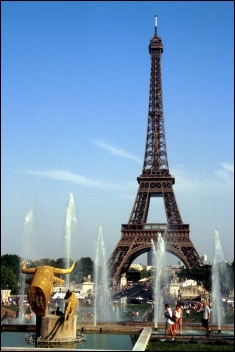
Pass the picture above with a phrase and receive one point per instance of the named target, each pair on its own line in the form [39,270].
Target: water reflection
[94,341]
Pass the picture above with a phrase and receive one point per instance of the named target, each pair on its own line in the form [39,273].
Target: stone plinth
[54,330]
[87,288]
[174,290]
[123,282]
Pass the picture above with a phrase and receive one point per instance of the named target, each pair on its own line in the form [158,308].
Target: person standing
[178,322]
[174,321]
[169,323]
[206,318]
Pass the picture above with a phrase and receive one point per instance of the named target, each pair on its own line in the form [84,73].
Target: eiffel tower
[155,181]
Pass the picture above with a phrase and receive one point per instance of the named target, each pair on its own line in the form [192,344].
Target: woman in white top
[178,320]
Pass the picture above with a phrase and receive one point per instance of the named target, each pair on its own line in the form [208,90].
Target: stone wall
[189,292]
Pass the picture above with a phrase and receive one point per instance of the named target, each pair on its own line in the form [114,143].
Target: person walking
[206,318]
[169,323]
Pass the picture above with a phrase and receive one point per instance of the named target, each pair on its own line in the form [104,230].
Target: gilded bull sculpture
[71,302]
[41,285]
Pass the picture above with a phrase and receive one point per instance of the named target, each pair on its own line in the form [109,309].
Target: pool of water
[118,314]
[86,313]
[97,341]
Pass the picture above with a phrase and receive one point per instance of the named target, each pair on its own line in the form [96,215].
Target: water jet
[159,276]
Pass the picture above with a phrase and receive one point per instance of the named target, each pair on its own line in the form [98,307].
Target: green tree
[200,274]
[133,275]
[11,261]
[83,267]
[203,275]
[86,265]
[227,278]
[8,279]
[60,263]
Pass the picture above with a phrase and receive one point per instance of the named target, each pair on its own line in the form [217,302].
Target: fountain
[70,227]
[158,264]
[116,312]
[50,328]
[101,274]
[123,304]
[28,236]
[218,276]
[103,311]
[102,299]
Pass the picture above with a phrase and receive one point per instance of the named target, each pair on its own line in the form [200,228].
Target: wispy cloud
[226,174]
[220,180]
[186,182]
[228,167]
[116,151]
[67,176]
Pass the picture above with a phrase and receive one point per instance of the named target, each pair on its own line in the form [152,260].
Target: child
[187,313]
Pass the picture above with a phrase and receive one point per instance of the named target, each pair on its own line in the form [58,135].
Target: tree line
[11,269]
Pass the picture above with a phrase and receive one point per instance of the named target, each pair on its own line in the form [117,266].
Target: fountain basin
[124,326]
[11,341]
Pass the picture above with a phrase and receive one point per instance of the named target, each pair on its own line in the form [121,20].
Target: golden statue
[41,285]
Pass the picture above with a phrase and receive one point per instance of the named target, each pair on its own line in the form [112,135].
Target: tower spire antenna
[155,25]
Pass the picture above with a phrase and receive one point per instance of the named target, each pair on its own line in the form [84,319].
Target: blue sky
[75,83]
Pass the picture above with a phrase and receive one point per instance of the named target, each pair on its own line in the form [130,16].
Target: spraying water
[102,306]
[70,226]
[158,264]
[28,245]
[123,304]
[218,274]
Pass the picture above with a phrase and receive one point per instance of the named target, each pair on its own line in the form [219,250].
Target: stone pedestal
[87,288]
[54,330]
[174,290]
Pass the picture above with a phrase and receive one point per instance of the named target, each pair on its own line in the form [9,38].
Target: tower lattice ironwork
[155,181]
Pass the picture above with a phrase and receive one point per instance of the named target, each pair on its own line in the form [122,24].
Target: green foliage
[192,345]
[11,261]
[83,268]
[202,275]
[86,265]
[60,263]
[144,273]
[133,275]
[8,279]
[228,279]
